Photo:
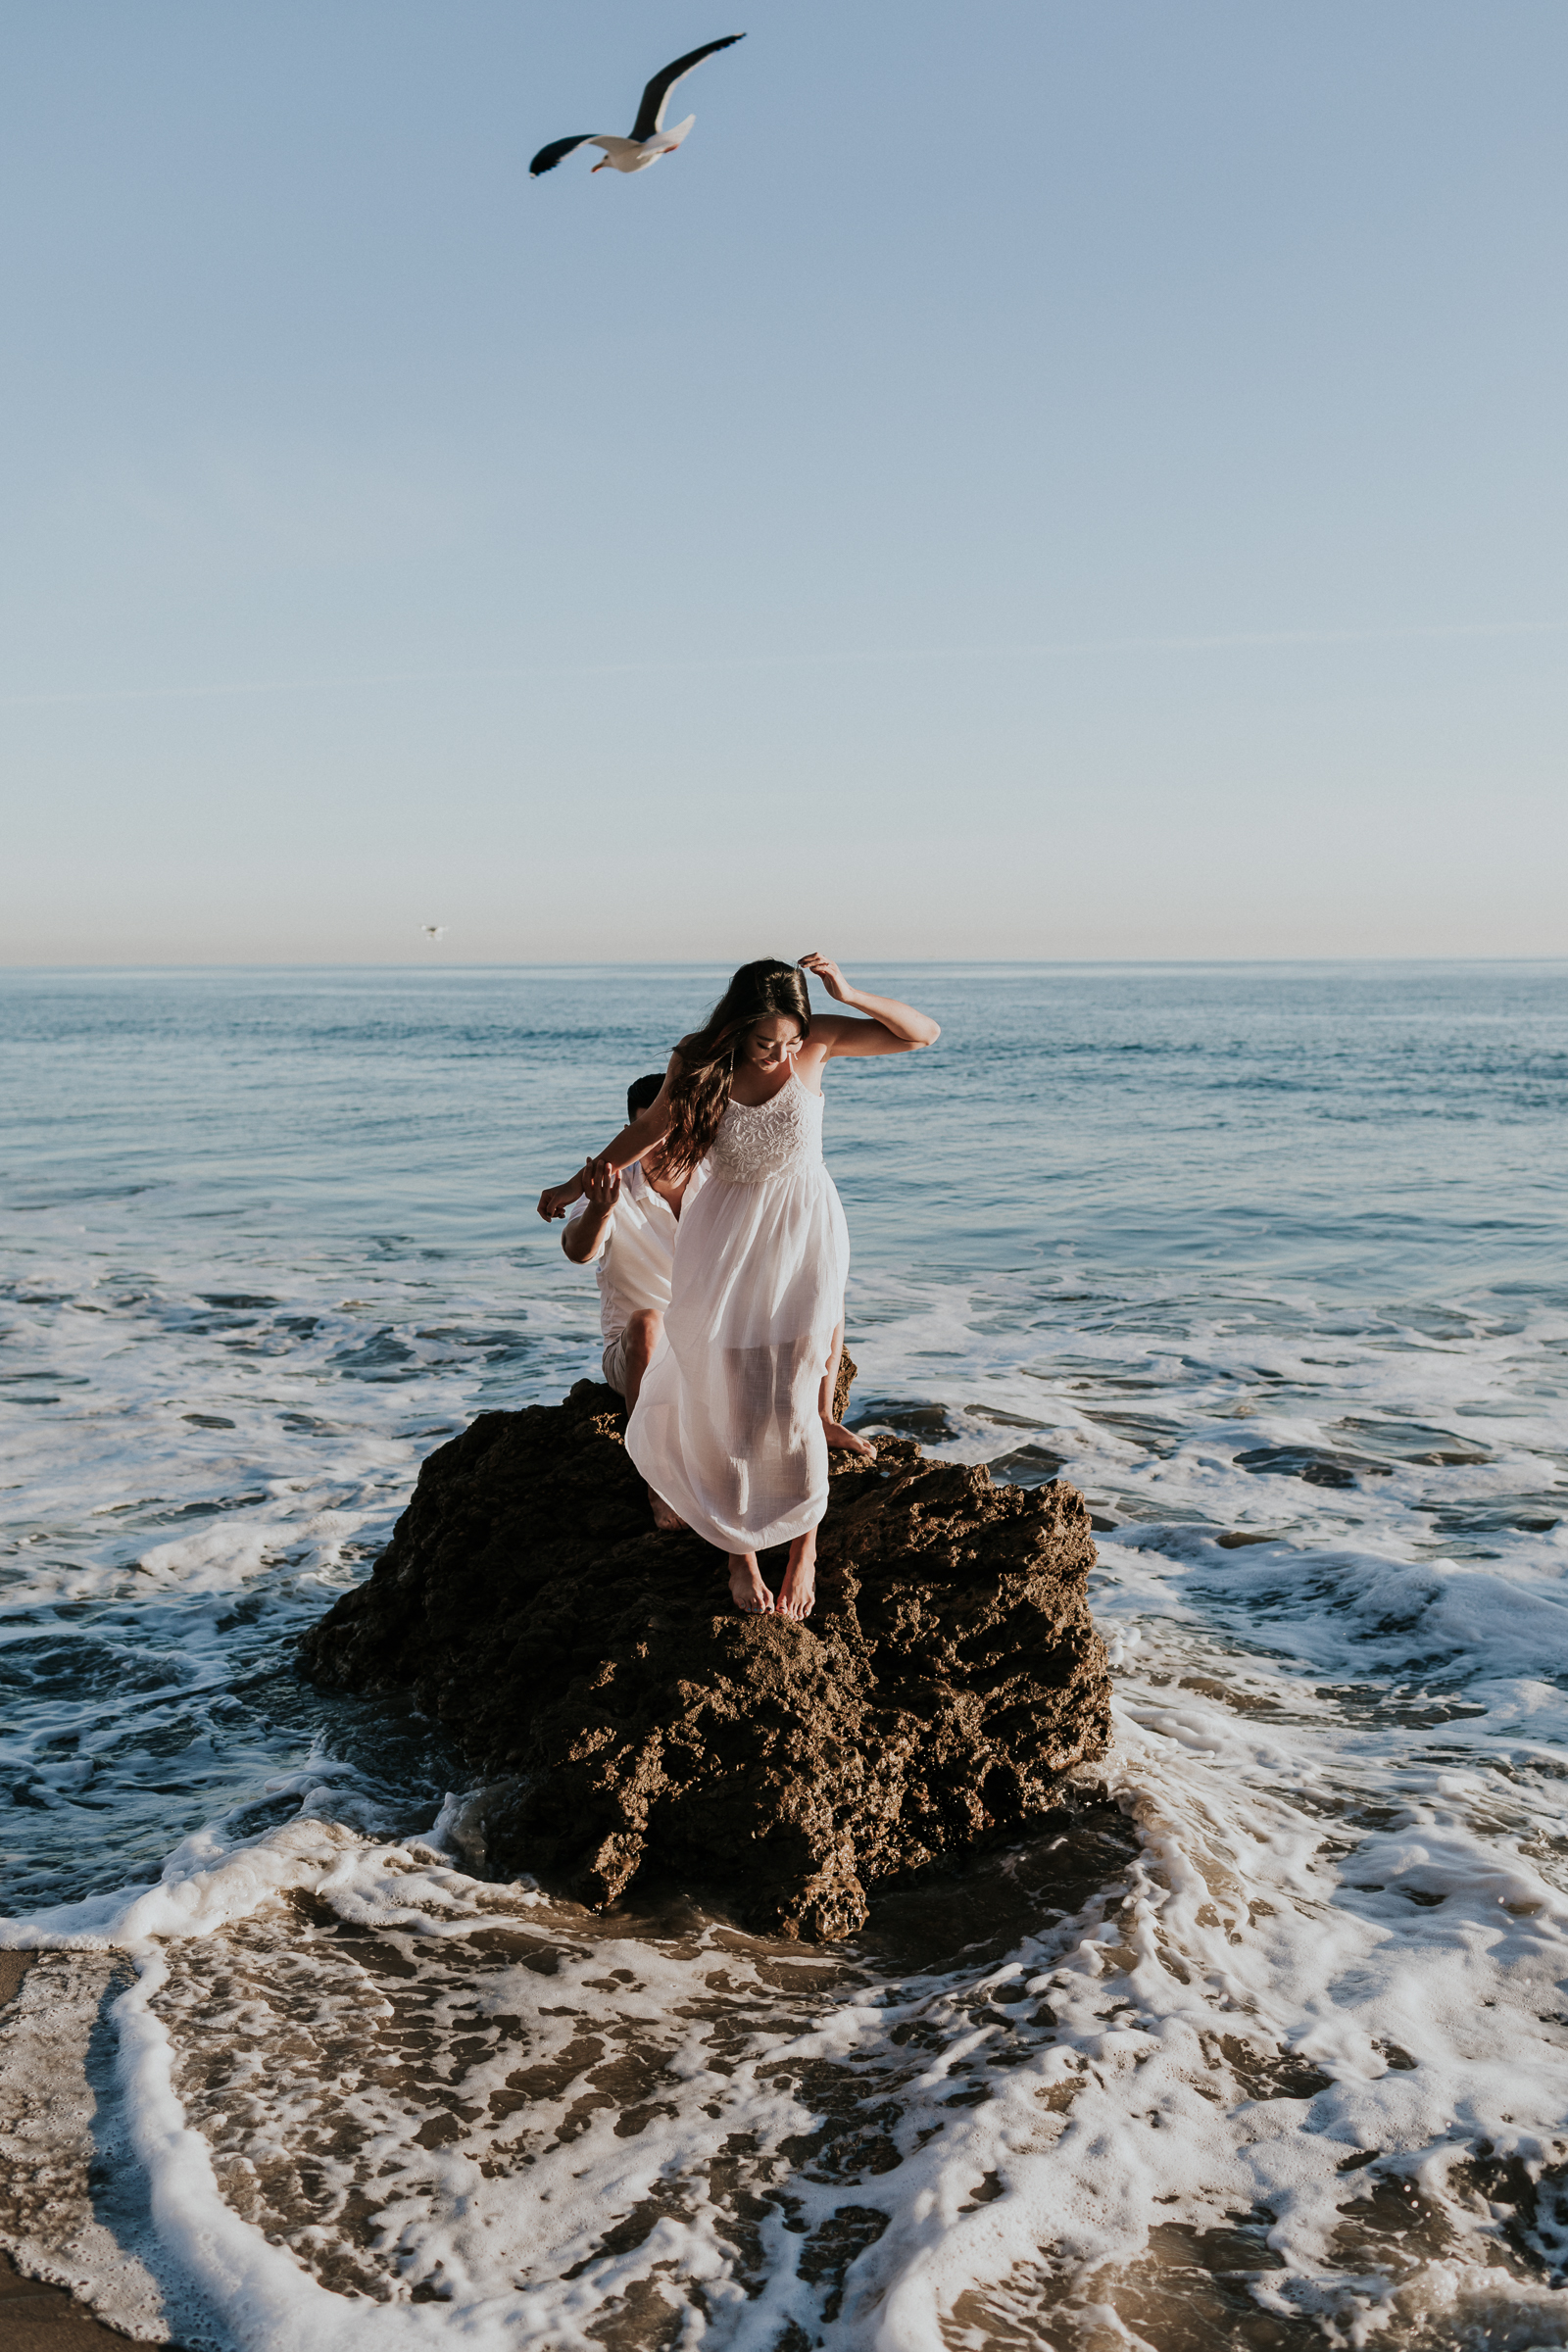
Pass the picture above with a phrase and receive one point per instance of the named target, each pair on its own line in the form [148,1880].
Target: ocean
[1269,1260]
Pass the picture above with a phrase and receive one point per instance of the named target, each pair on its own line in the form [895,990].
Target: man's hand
[601,1185]
[827,972]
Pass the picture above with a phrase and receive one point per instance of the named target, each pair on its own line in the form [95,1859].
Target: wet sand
[33,2317]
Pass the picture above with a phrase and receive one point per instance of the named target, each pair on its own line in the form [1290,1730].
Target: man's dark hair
[642,1092]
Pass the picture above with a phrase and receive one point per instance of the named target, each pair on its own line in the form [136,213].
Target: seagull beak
[604,167]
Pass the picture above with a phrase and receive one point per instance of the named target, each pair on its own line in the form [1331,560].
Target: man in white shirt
[625,1227]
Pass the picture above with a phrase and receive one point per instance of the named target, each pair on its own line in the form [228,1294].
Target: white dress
[727,1427]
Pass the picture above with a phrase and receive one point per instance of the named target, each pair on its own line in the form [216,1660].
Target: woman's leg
[774,1384]
[796,1594]
[746,1587]
[834,1431]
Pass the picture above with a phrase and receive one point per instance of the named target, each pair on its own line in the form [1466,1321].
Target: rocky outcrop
[625,1718]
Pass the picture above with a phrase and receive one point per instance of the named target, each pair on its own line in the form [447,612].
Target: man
[625,1227]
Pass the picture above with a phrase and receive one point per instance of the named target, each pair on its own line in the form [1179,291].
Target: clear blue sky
[1025,481]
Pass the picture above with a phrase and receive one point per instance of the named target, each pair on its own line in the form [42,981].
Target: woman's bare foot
[796,1594]
[746,1587]
[663,1517]
[846,1440]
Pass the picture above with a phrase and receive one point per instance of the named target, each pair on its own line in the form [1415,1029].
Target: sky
[1027,479]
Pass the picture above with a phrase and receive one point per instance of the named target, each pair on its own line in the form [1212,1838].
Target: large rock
[624,1717]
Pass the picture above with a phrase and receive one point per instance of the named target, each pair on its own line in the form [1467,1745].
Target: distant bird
[433,930]
[649,138]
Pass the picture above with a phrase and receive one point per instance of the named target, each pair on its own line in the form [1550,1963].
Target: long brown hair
[700,1095]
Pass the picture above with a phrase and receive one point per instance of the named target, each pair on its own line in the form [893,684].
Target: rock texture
[625,1718]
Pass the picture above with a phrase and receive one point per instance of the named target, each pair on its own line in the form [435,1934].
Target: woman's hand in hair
[827,972]
[890,1028]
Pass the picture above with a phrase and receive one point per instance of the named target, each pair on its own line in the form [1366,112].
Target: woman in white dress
[733,1421]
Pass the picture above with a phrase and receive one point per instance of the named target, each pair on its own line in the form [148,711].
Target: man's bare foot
[796,1594]
[746,1587]
[663,1517]
[846,1440]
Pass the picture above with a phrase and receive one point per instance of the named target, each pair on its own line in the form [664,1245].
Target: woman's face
[772,1043]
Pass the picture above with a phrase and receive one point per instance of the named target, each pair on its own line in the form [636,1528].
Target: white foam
[1313,1733]
[207,1885]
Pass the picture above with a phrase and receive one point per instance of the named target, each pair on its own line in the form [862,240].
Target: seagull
[649,138]
[433,930]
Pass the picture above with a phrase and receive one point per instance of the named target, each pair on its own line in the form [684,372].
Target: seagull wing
[650,112]
[549,157]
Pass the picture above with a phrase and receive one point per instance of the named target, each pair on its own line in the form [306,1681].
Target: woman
[729,1425]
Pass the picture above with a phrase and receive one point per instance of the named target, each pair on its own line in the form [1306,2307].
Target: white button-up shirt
[636,1254]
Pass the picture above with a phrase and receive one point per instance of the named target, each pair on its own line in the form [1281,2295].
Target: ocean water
[1270,1262]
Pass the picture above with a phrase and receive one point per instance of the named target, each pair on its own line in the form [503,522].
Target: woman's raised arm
[647,1129]
[892,1028]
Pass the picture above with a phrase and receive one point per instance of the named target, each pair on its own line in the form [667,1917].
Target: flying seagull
[433,930]
[649,138]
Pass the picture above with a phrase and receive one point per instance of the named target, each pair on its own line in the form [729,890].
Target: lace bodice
[756,1141]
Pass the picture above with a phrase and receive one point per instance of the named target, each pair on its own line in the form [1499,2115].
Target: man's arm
[584,1236]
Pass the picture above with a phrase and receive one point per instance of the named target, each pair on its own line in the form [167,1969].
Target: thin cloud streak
[1237,640]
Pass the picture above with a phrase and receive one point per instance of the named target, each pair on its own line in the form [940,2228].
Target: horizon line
[1057,649]
[871,963]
